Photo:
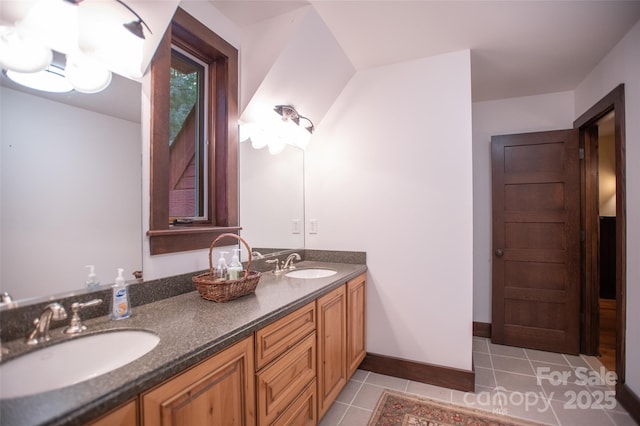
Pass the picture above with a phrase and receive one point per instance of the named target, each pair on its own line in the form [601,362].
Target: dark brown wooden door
[536,241]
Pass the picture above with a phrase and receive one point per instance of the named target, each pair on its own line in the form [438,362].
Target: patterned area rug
[396,408]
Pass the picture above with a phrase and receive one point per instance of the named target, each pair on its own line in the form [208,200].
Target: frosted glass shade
[86,75]
[51,79]
[22,54]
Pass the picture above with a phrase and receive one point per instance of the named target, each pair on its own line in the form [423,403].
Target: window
[188,100]
[194,138]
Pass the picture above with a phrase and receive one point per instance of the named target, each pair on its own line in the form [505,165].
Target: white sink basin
[311,273]
[73,361]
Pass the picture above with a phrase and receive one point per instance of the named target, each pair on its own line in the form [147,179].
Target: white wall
[262,45]
[622,65]
[70,195]
[309,72]
[506,116]
[389,173]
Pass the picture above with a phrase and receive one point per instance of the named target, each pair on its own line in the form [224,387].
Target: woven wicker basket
[226,290]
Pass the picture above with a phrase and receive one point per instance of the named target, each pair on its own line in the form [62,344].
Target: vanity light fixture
[92,44]
[274,132]
[134,27]
[289,113]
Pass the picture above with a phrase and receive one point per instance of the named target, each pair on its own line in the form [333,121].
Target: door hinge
[581,153]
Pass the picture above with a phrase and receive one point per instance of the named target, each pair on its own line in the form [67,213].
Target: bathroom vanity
[279,356]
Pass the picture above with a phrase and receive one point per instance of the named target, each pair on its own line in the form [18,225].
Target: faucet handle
[76,326]
[277,263]
[90,303]
[6,298]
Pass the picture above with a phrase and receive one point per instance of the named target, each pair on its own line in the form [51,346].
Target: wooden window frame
[222,208]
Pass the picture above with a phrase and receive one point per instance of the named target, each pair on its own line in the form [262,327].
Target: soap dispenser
[220,272]
[235,267]
[92,282]
[120,308]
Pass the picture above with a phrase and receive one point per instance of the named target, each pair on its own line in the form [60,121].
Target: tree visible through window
[187,107]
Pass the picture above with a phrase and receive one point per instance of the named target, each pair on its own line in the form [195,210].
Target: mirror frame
[188,32]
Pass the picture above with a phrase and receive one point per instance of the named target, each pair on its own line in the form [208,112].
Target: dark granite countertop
[190,329]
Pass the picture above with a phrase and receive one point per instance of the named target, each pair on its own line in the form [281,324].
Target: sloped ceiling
[519,48]
[292,59]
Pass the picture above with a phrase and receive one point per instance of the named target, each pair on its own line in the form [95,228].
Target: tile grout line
[493,372]
[350,404]
[591,389]
[543,391]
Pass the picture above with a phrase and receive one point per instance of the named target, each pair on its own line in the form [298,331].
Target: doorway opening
[603,224]
[604,155]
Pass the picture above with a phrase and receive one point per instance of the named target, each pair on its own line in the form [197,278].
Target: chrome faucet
[76,326]
[40,333]
[276,261]
[288,264]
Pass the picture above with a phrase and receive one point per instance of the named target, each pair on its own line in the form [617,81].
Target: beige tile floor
[549,388]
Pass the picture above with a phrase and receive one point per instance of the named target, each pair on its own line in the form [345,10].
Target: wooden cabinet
[356,320]
[332,347]
[125,415]
[219,391]
[341,339]
[286,368]
[287,373]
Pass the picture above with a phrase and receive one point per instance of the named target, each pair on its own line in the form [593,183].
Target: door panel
[536,241]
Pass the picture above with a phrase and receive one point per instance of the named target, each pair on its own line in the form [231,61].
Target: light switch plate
[295,226]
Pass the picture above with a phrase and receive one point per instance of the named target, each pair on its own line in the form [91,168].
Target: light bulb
[22,54]
[86,75]
[54,23]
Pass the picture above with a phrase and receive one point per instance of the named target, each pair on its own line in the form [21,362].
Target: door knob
[499,252]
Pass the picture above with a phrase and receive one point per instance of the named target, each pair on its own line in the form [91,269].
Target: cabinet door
[216,392]
[332,347]
[125,415]
[356,332]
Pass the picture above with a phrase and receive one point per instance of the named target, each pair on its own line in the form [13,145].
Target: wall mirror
[71,190]
[272,198]
[71,187]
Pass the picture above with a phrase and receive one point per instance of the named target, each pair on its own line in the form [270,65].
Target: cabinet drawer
[125,415]
[274,339]
[280,383]
[302,412]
